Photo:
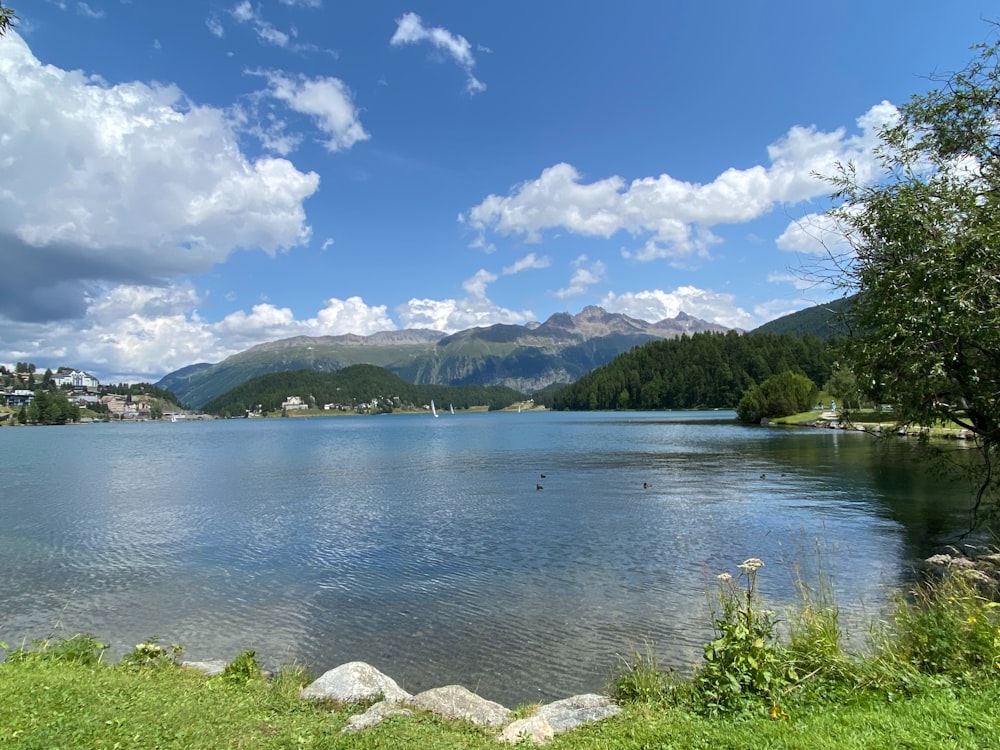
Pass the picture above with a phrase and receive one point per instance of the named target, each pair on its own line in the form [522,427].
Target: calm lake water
[422,545]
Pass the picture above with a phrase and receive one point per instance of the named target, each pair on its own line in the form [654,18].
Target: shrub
[243,669]
[950,623]
[778,396]
[151,655]
[743,666]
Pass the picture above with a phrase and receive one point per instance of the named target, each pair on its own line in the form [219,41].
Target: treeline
[705,370]
[350,387]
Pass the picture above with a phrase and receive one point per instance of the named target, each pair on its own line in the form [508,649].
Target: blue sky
[180,181]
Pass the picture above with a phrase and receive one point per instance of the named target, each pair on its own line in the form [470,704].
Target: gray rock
[457,702]
[376,714]
[533,729]
[355,682]
[210,667]
[570,713]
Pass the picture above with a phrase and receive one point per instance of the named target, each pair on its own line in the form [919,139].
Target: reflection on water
[424,547]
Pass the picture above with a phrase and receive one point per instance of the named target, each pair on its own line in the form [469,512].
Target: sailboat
[433,410]
[451,408]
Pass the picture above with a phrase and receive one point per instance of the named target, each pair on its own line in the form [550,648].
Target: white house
[76,379]
[294,403]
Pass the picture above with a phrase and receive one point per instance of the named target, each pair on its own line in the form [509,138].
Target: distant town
[71,395]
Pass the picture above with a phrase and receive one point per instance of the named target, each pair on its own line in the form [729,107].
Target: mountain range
[524,357]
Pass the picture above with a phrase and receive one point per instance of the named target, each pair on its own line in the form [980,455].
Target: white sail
[452,408]
[433,410]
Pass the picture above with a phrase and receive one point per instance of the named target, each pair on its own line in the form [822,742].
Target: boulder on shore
[355,682]
[457,702]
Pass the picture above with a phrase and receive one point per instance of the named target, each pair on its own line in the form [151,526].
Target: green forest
[705,370]
[350,387]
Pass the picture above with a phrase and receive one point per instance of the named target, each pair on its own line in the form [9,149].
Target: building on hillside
[294,403]
[18,398]
[76,379]
[116,404]
[121,408]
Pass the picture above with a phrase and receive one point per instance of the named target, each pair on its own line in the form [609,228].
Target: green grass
[69,705]
[929,678]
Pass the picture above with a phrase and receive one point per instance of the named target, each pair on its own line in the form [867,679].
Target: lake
[423,546]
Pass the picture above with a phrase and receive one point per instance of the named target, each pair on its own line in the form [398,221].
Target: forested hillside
[350,387]
[705,370]
[825,321]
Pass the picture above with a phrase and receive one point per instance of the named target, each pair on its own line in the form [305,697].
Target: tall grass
[946,628]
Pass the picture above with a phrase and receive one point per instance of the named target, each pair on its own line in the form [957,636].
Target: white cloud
[327,100]
[451,315]
[814,234]
[675,217]
[529,262]
[798,282]
[141,333]
[244,12]
[126,184]
[351,316]
[83,9]
[656,305]
[215,28]
[585,276]
[269,34]
[410,29]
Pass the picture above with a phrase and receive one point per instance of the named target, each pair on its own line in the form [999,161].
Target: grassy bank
[930,678]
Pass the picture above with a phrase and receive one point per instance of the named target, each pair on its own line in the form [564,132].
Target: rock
[375,715]
[355,682]
[457,702]
[560,716]
[580,709]
[533,729]
[210,667]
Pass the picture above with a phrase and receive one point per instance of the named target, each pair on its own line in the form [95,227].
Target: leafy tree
[843,385]
[778,396]
[7,18]
[52,407]
[925,261]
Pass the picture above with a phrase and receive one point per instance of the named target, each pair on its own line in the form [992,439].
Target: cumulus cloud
[585,276]
[410,29]
[675,217]
[328,101]
[127,184]
[814,234]
[141,333]
[451,315]
[528,262]
[656,305]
